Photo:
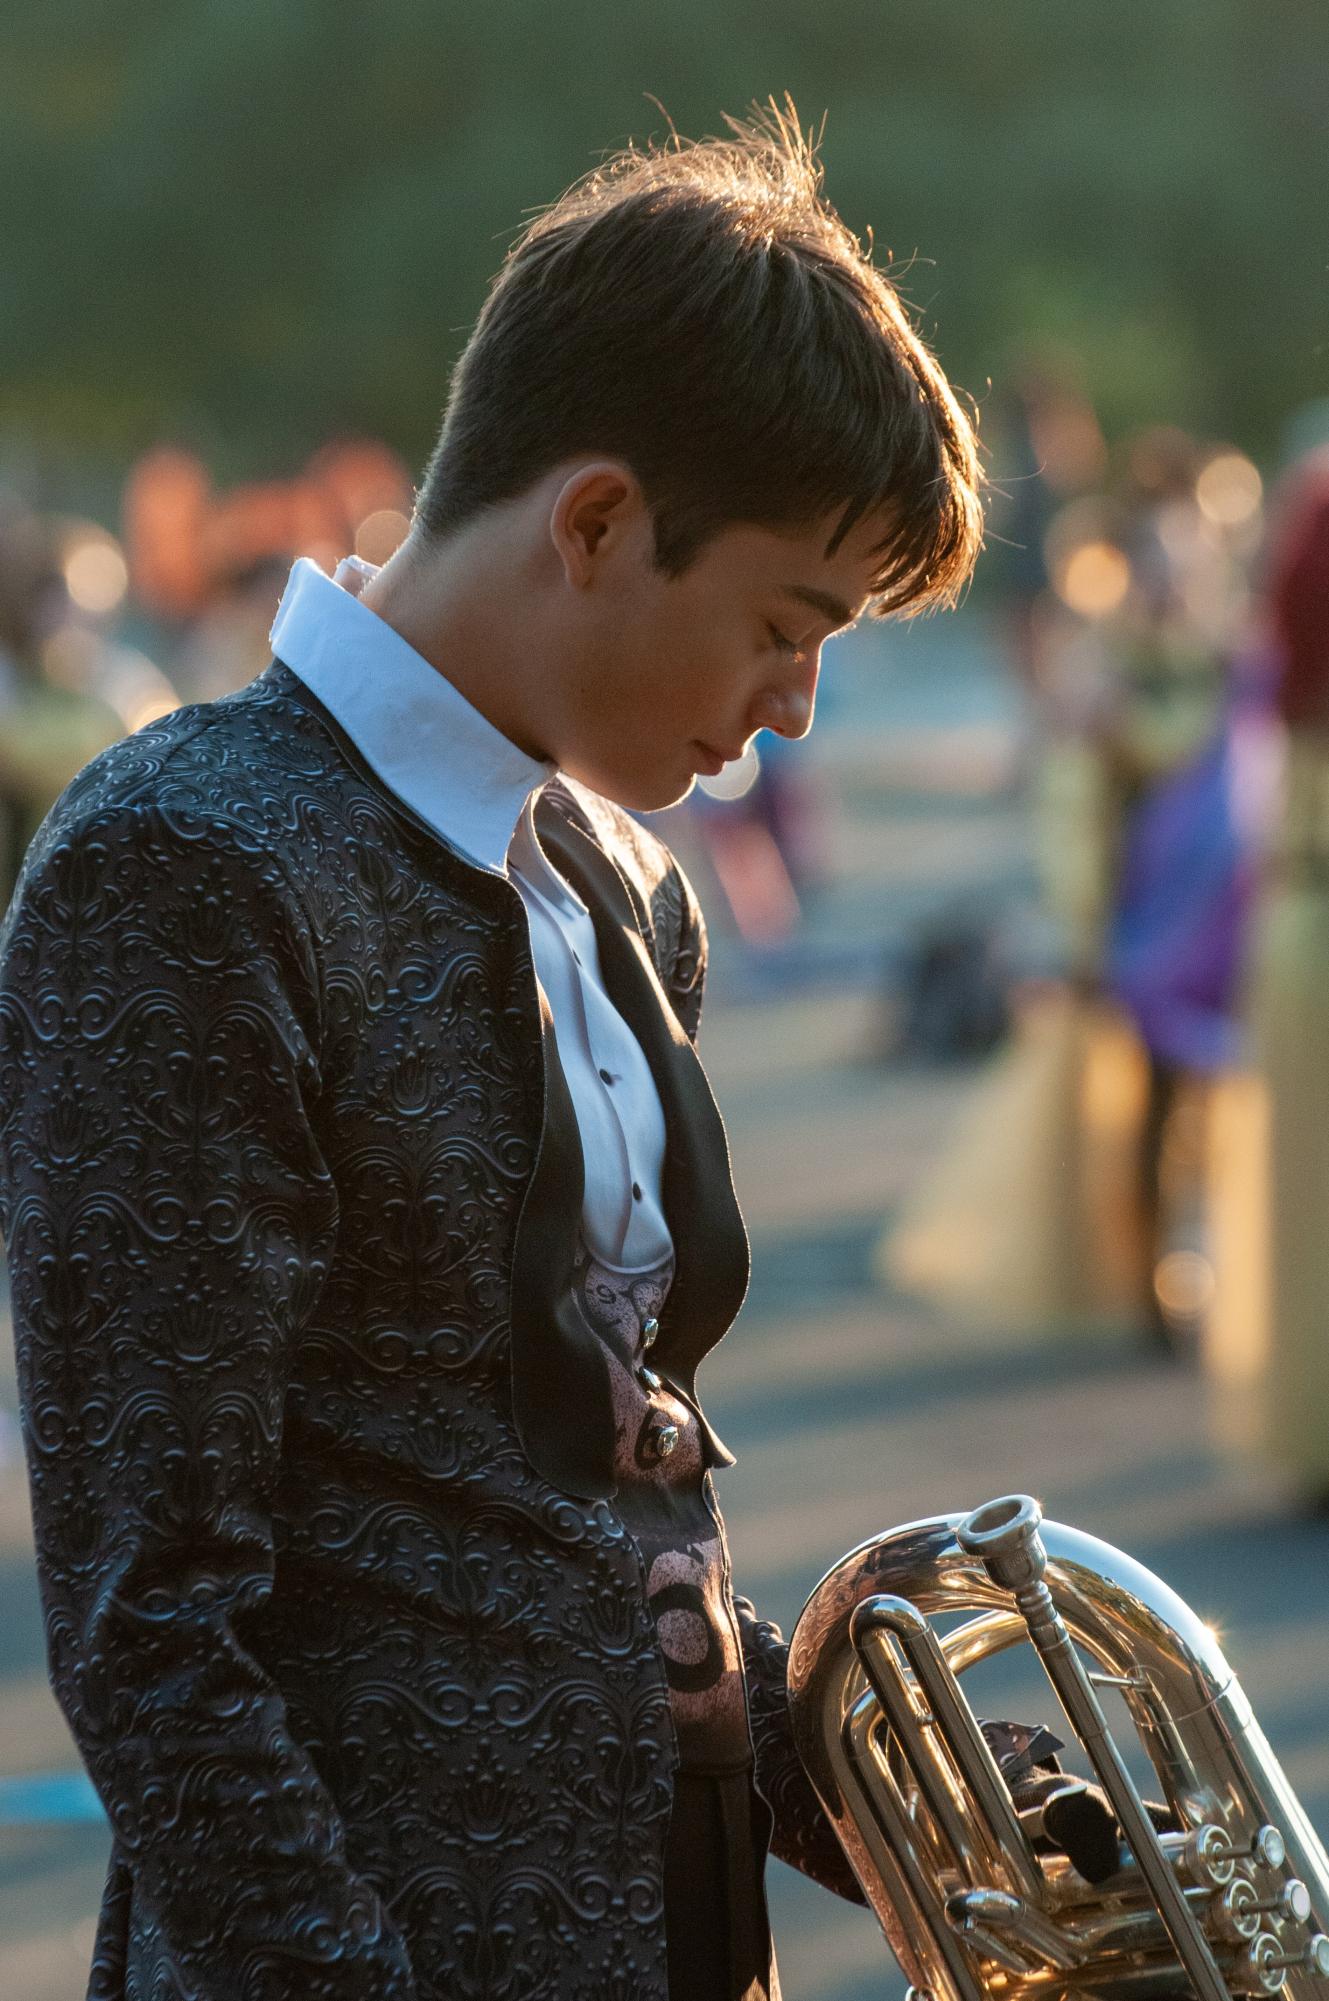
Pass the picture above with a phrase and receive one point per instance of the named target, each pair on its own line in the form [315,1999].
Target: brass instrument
[1235,1901]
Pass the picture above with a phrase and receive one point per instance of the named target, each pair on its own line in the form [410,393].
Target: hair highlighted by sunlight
[700,311]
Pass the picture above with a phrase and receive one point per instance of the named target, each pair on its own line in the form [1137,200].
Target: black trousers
[718,1935]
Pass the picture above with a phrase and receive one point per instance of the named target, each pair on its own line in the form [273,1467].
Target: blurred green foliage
[246,224]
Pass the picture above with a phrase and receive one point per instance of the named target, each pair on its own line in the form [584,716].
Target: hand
[1064,1815]
[1072,1818]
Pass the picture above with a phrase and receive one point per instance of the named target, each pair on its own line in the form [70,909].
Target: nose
[787,708]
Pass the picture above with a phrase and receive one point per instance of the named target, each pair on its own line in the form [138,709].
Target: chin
[638,791]
[654,799]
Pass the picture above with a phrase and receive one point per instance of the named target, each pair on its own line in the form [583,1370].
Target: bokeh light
[150,709]
[735,778]
[96,573]
[1229,490]
[1184,1284]
[1094,579]
[381,534]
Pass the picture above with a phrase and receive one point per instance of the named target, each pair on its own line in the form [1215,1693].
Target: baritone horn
[1233,1901]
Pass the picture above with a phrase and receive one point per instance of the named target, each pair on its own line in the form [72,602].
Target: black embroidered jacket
[338,1606]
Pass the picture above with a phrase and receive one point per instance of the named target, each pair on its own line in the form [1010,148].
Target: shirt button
[607,1076]
[649,1329]
[636,1191]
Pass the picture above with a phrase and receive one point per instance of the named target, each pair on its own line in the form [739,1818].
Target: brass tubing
[1010,1850]
[1004,1537]
[1011,1918]
[872,1638]
[881,1795]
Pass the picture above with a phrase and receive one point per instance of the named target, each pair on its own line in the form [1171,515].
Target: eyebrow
[822,601]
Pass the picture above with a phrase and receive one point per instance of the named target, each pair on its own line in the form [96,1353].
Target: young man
[367,1209]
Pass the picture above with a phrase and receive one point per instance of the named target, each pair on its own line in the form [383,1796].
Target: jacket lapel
[561,1396]
[710,1242]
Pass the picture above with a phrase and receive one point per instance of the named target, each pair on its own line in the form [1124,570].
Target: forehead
[775,558]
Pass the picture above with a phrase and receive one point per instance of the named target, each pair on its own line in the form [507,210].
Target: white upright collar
[419,733]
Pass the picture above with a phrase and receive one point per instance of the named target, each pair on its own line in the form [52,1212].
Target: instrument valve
[1268,1850]
[1234,1913]
[1210,1855]
[1208,1858]
[1261,1968]
[1237,1911]
[1292,1902]
[1312,1958]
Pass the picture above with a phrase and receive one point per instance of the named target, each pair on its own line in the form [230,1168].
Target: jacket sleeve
[169,1221]
[803,1836]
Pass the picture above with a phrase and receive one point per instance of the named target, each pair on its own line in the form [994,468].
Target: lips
[714,760]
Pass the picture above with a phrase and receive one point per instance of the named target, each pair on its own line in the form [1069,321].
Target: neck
[447,601]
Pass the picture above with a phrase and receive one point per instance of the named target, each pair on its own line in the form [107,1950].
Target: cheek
[667,675]
[672,669]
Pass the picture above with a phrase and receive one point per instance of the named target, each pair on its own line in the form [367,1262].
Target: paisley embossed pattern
[373,1708]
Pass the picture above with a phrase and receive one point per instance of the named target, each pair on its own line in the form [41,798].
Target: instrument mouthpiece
[1003,1535]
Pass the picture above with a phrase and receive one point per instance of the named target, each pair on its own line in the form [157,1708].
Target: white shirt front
[477,791]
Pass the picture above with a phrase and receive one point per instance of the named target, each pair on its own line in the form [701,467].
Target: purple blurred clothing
[1176,942]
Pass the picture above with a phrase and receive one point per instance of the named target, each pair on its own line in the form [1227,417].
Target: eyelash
[785,645]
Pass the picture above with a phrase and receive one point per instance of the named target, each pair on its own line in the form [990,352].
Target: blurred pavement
[850,1410]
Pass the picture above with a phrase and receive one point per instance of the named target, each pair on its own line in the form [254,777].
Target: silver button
[649,1329]
[663,1439]
[649,1378]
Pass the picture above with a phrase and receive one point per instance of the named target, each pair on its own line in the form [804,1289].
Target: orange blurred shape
[273,522]
[185,541]
[166,504]
[365,477]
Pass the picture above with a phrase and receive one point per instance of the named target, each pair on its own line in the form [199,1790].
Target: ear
[595,509]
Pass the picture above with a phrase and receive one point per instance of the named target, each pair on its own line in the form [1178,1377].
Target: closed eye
[786,645]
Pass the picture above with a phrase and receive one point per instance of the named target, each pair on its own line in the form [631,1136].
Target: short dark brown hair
[700,311]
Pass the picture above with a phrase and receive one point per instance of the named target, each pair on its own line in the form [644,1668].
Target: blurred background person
[49,727]
[1048,449]
[1177,905]
[210,562]
[1289,1002]
[1086,1138]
